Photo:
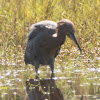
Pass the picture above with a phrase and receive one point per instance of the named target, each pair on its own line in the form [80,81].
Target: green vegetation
[15,18]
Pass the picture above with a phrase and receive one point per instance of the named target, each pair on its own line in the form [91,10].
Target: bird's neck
[60,39]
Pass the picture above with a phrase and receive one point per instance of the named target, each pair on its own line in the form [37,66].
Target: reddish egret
[45,40]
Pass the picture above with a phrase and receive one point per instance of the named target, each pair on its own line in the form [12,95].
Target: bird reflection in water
[43,89]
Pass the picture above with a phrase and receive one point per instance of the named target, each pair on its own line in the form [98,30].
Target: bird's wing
[40,35]
[34,32]
[41,28]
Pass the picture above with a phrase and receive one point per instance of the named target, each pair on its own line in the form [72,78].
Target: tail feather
[26,59]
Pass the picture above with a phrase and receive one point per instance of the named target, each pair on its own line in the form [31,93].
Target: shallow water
[74,82]
[78,79]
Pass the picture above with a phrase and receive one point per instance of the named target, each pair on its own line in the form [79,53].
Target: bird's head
[67,27]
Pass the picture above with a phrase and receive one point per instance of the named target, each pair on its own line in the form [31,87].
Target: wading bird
[45,40]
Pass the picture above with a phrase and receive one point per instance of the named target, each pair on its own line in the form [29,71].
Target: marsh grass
[15,18]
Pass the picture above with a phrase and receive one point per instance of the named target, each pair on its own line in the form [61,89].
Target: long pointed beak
[75,40]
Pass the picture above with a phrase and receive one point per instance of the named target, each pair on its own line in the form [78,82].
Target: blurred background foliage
[17,15]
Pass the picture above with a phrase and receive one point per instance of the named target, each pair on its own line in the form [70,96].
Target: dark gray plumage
[45,40]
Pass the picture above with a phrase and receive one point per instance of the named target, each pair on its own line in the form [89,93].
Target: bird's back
[42,27]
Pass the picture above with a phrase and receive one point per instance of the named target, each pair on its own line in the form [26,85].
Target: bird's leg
[36,67]
[52,66]
[52,75]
